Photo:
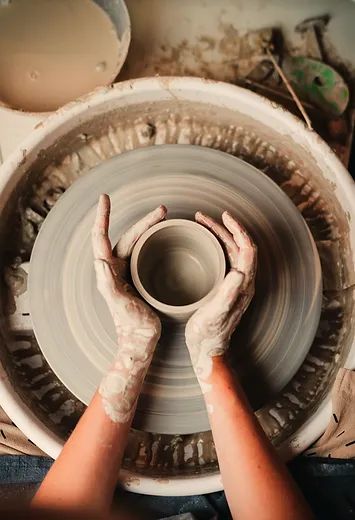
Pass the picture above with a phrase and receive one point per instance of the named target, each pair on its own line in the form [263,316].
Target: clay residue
[230,56]
[15,278]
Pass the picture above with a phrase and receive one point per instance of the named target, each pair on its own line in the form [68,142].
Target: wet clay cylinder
[176,265]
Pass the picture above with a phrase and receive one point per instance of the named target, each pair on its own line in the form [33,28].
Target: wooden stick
[290,89]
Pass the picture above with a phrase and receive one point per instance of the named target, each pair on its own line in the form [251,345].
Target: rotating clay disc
[71,321]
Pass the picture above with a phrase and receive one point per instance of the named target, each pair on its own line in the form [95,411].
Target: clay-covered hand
[138,327]
[209,330]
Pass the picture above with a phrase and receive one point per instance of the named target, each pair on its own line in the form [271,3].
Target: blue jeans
[328,485]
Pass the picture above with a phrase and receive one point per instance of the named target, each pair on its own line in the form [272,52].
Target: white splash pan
[148,90]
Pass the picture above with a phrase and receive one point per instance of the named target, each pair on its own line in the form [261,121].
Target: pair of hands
[138,327]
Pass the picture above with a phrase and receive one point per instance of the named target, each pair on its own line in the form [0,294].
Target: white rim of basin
[192,89]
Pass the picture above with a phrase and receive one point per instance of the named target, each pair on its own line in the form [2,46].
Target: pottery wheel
[72,323]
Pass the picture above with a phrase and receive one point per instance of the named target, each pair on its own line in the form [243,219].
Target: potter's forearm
[121,386]
[256,482]
[86,472]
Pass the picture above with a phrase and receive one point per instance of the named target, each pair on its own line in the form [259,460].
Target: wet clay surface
[175,122]
[279,327]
